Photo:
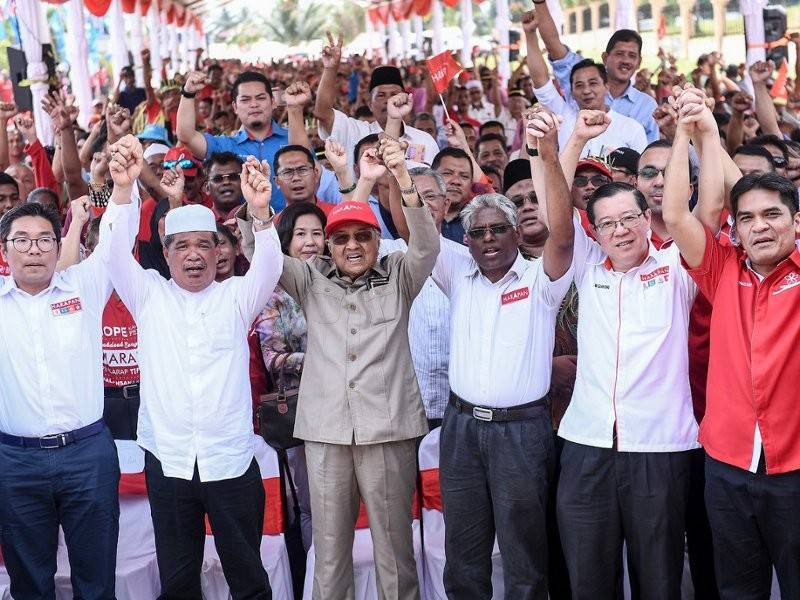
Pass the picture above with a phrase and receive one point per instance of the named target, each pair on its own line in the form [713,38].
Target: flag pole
[444,105]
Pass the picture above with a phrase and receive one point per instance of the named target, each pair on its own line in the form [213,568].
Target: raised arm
[741,104]
[7,112]
[535,60]
[297,95]
[549,32]
[760,72]
[457,139]
[682,225]
[186,129]
[370,169]
[337,157]
[326,91]
[588,125]
[398,108]
[70,161]
[147,76]
[71,242]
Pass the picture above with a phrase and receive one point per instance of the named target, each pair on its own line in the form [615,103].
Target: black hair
[465,124]
[624,35]
[92,234]
[772,140]
[372,138]
[219,114]
[612,189]
[655,145]
[248,77]
[488,138]
[291,148]
[424,115]
[6,179]
[289,215]
[722,119]
[227,234]
[214,67]
[33,209]
[754,150]
[490,169]
[207,100]
[363,111]
[771,182]
[43,191]
[488,124]
[588,63]
[221,158]
[452,152]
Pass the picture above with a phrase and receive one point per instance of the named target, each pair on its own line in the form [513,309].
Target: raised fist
[125,161]
[297,94]
[195,82]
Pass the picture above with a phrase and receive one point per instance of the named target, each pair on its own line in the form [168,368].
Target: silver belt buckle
[482,414]
[59,440]
[130,391]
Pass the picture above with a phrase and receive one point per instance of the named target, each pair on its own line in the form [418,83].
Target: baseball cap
[350,211]
[180,155]
[155,133]
[592,163]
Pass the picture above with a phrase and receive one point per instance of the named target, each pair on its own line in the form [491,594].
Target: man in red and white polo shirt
[751,425]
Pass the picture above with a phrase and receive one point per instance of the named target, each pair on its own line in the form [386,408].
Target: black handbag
[277,412]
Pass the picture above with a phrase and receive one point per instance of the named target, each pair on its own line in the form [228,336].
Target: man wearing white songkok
[195,420]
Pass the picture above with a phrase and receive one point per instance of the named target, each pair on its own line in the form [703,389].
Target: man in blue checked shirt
[622,58]
[260,135]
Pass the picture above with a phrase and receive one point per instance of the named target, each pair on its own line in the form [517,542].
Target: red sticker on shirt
[514,296]
[66,307]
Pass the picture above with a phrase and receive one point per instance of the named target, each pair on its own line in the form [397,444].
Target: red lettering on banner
[514,296]
[657,273]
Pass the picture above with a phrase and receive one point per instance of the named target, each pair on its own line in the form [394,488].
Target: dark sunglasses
[595,180]
[184,163]
[362,237]
[519,199]
[477,233]
[224,177]
[650,172]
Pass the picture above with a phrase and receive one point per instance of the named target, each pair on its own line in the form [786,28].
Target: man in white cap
[195,420]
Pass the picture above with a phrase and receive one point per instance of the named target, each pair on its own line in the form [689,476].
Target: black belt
[55,440]
[515,413]
[126,391]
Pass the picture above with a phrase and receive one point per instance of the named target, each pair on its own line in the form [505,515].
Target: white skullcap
[192,217]
[474,83]
[154,149]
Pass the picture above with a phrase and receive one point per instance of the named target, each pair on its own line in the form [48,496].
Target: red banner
[778,89]
[97,7]
[443,67]
[128,6]
[401,9]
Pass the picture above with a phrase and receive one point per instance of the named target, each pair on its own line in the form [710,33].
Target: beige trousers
[383,475]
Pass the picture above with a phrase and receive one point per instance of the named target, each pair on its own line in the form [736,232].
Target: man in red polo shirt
[751,425]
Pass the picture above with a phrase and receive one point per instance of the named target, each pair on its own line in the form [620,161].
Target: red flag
[443,67]
[779,86]
[661,32]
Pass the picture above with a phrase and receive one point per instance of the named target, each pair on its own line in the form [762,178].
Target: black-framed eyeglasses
[24,244]
[477,233]
[607,228]
[288,174]
[184,163]
[595,180]
[362,237]
[224,177]
[519,199]
[651,172]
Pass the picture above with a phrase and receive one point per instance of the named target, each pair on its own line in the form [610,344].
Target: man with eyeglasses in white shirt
[195,419]
[58,462]
[298,176]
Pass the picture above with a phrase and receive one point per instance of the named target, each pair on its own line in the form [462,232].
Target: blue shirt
[632,103]
[453,230]
[243,145]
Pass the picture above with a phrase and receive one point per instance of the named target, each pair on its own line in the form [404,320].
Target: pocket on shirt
[324,304]
[68,330]
[654,311]
[382,305]
[512,328]
[219,330]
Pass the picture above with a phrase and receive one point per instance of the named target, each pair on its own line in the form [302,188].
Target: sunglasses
[362,237]
[478,232]
[779,162]
[224,177]
[650,172]
[184,163]
[595,180]
[519,199]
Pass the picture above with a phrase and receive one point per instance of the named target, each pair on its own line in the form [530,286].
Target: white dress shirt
[193,358]
[501,334]
[51,363]
[623,132]
[482,113]
[633,358]
[429,338]
[348,131]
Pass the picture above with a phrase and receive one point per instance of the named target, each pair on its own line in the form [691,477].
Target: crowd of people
[587,275]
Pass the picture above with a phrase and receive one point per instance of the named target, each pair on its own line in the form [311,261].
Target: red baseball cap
[591,163]
[351,211]
[183,156]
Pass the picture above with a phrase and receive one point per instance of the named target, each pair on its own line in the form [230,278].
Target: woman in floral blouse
[281,328]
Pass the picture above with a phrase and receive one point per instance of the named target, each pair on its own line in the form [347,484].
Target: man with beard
[223,182]
[622,58]
[385,83]
[259,136]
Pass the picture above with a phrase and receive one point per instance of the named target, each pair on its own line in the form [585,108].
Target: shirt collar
[628,94]
[57,282]
[652,252]
[329,270]
[242,136]
[794,257]
[519,267]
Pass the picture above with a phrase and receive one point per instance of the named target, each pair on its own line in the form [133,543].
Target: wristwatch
[532,151]
[186,94]
[409,190]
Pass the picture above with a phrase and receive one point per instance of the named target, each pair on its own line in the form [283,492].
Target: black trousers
[557,574]
[235,509]
[605,498]
[755,523]
[698,531]
[494,479]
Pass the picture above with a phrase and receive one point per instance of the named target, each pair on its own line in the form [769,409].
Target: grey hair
[498,201]
[428,172]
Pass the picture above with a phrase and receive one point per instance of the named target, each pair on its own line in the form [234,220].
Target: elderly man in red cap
[360,409]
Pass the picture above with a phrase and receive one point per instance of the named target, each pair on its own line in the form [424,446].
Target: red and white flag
[443,67]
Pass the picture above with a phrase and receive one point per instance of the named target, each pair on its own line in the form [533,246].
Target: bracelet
[532,151]
[348,189]
[409,190]
[539,1]
[99,194]
[186,94]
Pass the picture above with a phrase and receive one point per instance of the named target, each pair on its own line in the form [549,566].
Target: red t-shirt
[4,270]
[120,343]
[752,371]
